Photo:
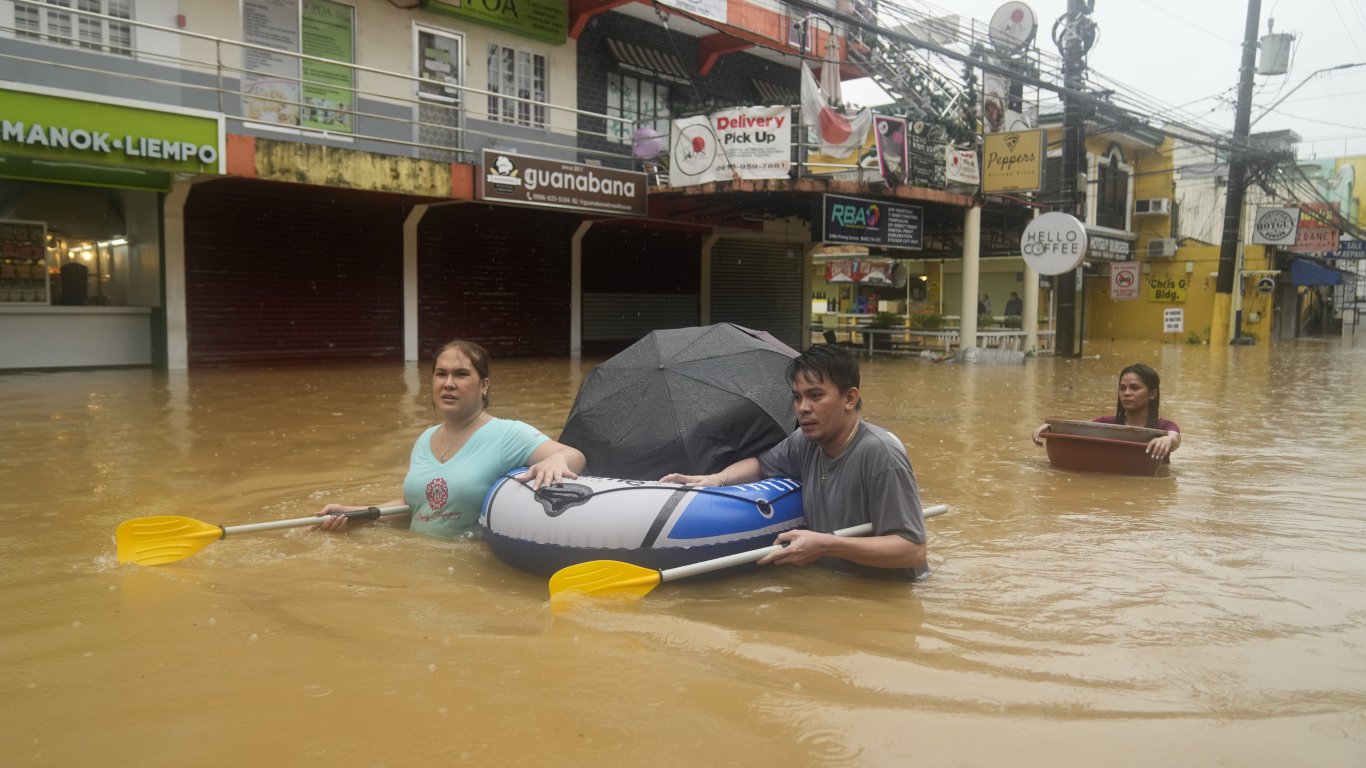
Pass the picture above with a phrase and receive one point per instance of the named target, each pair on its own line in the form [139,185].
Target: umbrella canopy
[690,400]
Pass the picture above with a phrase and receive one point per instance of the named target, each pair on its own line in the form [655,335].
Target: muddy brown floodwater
[1215,615]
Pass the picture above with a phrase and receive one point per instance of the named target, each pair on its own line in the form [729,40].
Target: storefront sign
[1265,285]
[746,143]
[1316,233]
[927,156]
[707,9]
[960,167]
[1350,249]
[1168,289]
[544,183]
[1108,247]
[1173,320]
[53,127]
[1275,226]
[544,20]
[1053,243]
[869,222]
[1012,162]
[849,271]
[1124,280]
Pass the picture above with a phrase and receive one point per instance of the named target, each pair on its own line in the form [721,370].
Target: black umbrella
[690,400]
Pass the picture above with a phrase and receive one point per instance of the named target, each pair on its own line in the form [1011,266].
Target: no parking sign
[1173,320]
[1124,280]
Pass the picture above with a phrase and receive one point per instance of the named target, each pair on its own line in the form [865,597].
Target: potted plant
[1014,322]
[929,321]
[883,321]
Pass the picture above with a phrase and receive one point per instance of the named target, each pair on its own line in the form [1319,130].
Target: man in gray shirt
[851,472]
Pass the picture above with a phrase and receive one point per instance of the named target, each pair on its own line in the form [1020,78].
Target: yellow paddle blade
[163,539]
[601,577]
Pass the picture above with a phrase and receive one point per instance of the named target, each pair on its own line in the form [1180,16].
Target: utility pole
[1222,331]
[1073,36]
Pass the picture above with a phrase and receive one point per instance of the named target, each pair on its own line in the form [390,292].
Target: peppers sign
[1054,243]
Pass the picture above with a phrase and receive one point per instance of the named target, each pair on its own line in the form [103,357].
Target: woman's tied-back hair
[1150,380]
[826,362]
[477,355]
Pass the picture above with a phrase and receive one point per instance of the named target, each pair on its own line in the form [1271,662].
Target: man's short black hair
[826,362]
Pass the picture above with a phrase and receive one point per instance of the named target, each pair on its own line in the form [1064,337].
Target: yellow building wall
[1193,274]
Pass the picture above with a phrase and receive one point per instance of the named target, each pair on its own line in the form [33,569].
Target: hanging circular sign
[1054,243]
[1012,28]
[1266,285]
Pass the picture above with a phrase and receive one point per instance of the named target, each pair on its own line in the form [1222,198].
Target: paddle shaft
[740,558]
[369,513]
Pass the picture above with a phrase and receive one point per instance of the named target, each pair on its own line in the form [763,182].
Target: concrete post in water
[1030,321]
[972,262]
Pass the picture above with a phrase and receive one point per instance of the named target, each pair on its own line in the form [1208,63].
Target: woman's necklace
[449,448]
[825,466]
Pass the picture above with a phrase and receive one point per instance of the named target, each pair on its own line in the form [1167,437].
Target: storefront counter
[42,336]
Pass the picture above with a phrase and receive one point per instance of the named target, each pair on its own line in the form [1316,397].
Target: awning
[648,61]
[1307,272]
[772,94]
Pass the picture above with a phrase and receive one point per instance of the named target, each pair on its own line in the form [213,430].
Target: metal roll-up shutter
[636,281]
[283,273]
[759,285]
[496,275]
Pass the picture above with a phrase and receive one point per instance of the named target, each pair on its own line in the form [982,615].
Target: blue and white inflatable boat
[650,524]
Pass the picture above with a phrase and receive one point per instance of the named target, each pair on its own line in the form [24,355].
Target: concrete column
[972,263]
[1031,306]
[410,300]
[173,252]
[704,292]
[576,289]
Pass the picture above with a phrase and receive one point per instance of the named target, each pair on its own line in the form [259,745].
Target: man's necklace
[825,466]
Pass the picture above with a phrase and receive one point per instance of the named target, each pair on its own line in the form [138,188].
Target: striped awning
[648,61]
[772,94]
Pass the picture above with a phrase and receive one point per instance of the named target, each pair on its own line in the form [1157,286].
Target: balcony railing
[388,112]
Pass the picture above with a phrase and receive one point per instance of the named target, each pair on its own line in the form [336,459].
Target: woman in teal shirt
[454,463]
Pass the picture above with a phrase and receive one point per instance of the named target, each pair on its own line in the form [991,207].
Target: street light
[1311,76]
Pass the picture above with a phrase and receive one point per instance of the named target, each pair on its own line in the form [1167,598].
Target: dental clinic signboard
[545,183]
[873,223]
[55,127]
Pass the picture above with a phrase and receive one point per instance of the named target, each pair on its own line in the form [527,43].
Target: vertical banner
[270,81]
[891,149]
[328,32]
[1124,280]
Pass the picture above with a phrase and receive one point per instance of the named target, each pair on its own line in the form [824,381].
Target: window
[520,74]
[439,64]
[639,103]
[1112,196]
[52,21]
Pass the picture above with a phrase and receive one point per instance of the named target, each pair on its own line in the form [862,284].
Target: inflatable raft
[650,524]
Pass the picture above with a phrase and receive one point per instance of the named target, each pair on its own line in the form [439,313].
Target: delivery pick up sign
[1054,243]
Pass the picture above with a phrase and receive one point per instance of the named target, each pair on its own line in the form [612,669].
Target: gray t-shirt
[870,481]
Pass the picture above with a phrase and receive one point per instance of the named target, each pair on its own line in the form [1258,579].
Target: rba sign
[536,181]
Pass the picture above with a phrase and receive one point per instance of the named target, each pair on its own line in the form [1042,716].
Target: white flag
[840,135]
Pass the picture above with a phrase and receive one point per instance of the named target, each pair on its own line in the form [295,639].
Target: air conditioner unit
[1152,206]
[1162,248]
